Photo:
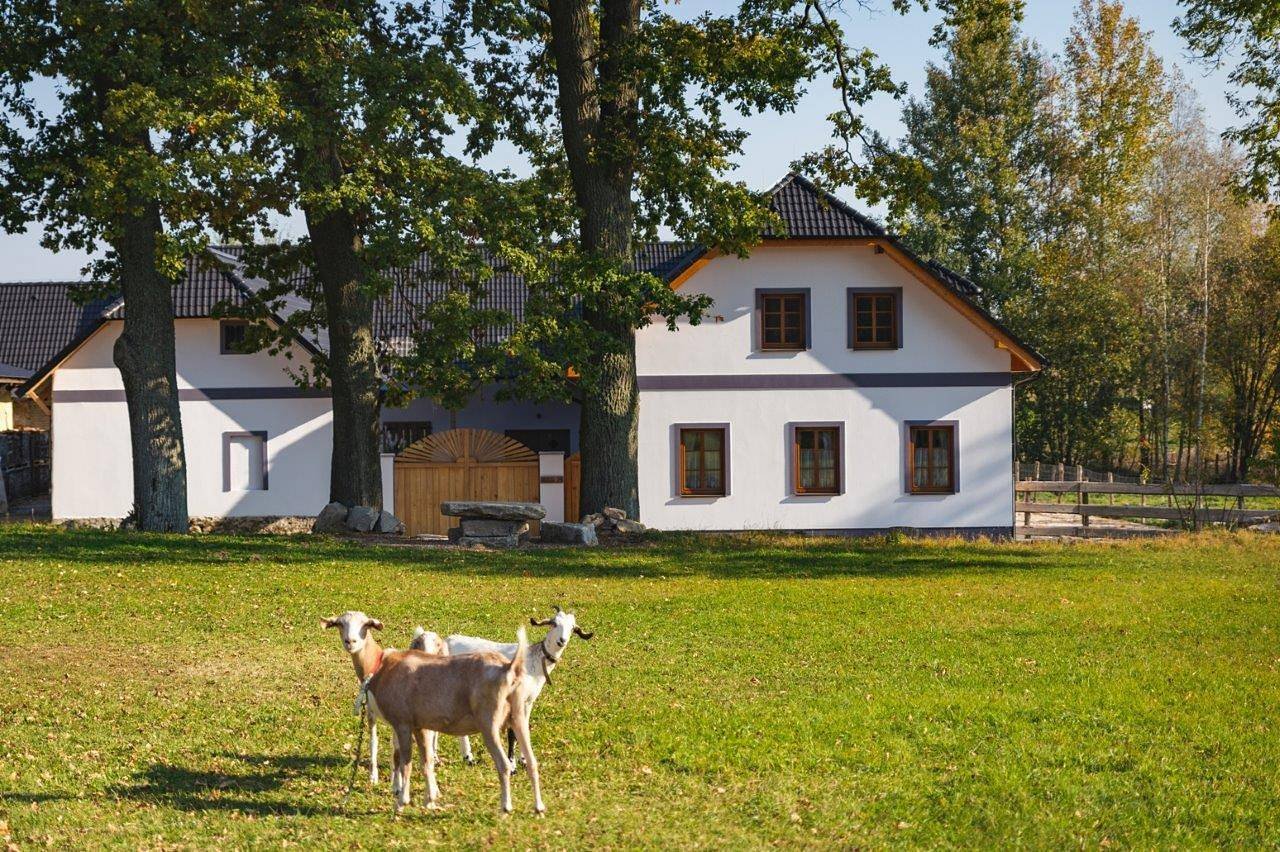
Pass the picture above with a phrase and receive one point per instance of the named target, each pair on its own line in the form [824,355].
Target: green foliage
[1246,32]
[361,103]
[968,180]
[178,691]
[145,108]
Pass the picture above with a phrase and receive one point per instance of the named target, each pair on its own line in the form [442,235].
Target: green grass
[740,692]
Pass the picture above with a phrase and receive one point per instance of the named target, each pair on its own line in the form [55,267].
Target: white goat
[540,661]
[465,694]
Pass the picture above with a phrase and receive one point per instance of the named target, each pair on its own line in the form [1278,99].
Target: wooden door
[461,464]
[573,488]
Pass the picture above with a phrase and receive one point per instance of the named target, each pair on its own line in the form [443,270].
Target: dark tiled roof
[10,372]
[205,285]
[809,213]
[39,320]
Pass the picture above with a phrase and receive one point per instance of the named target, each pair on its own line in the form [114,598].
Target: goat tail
[418,643]
[516,669]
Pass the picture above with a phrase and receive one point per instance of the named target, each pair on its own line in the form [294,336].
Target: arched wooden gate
[461,464]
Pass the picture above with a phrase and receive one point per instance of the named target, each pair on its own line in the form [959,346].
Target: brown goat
[465,694]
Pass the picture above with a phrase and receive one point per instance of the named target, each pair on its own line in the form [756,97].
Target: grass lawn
[740,692]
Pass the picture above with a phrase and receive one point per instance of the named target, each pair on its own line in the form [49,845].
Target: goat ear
[328,622]
[373,624]
[545,623]
[578,631]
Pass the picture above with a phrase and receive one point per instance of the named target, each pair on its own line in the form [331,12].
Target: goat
[366,656]
[463,694]
[541,661]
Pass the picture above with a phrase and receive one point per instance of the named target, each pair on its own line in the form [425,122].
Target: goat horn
[558,609]
[536,623]
[584,634]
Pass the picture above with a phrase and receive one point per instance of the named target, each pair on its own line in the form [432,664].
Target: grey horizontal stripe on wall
[197,394]
[825,381]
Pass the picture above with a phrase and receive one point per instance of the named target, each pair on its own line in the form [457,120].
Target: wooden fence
[1178,502]
[24,464]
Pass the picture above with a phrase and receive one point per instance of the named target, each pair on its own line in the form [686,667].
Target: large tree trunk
[144,352]
[355,471]
[597,115]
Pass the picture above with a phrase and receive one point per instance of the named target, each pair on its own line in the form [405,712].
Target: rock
[389,524]
[614,514]
[493,510]
[455,534]
[553,533]
[623,525]
[478,527]
[492,541]
[595,519]
[362,518]
[331,518]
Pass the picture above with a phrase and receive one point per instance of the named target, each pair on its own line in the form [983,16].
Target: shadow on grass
[189,789]
[752,555]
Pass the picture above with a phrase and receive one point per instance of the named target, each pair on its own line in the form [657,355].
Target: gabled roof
[808,213]
[40,319]
[811,213]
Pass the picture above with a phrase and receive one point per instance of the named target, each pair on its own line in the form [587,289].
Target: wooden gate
[461,464]
[572,488]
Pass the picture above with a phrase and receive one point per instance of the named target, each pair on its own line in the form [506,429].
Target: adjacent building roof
[41,322]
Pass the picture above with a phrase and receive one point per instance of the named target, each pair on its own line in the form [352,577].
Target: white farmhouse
[839,384]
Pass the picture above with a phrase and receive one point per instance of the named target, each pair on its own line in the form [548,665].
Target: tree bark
[144,353]
[598,109]
[355,469]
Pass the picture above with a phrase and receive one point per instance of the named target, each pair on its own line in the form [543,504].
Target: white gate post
[388,462]
[551,485]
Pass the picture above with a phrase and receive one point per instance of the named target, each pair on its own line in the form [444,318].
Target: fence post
[1017,471]
[1037,474]
[1111,495]
[1082,499]
[1079,473]
[1061,473]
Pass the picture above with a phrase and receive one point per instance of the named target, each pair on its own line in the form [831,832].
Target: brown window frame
[781,297]
[951,428]
[895,321]
[684,490]
[223,325]
[796,486]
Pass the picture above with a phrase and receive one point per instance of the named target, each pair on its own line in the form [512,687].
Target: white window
[244,461]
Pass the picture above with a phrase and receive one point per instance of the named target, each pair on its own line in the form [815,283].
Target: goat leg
[467,757]
[427,756]
[520,725]
[373,752]
[404,763]
[501,764]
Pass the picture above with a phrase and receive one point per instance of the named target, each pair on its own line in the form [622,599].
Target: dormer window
[784,319]
[232,334]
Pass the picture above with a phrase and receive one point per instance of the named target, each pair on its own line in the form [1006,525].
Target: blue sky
[901,41]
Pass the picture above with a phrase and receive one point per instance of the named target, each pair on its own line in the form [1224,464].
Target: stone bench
[491,523]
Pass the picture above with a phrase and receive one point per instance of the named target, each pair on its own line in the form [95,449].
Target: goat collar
[546,655]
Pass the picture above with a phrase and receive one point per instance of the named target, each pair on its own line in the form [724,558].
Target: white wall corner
[388,462]
[551,485]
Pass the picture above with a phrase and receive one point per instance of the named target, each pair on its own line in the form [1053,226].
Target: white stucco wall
[873,451]
[935,336]
[936,339]
[92,473]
